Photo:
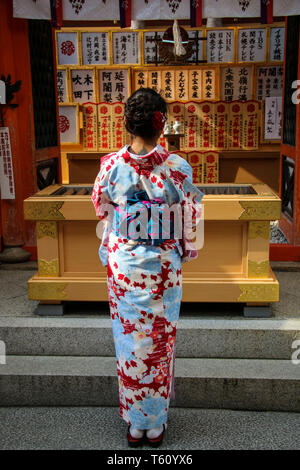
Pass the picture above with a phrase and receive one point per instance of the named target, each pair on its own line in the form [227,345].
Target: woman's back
[160,174]
[144,273]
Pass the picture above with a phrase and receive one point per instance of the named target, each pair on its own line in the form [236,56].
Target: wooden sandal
[133,441]
[156,441]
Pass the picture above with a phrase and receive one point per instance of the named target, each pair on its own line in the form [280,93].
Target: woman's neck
[141,147]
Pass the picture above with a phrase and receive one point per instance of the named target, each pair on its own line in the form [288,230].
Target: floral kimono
[144,279]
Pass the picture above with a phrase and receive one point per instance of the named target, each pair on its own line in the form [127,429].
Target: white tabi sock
[155,432]
[136,433]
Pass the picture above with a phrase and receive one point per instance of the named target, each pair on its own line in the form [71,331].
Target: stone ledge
[200,383]
[288,266]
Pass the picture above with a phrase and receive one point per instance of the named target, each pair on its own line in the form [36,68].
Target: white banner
[68,124]
[72,10]
[97,10]
[286,7]
[273,115]
[39,10]
[67,48]
[91,10]
[7,185]
[180,9]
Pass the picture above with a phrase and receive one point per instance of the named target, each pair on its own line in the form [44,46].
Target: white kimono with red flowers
[144,281]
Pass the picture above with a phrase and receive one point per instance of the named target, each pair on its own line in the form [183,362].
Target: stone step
[218,337]
[245,384]
[100,428]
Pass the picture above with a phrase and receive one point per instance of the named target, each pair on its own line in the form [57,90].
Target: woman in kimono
[144,268]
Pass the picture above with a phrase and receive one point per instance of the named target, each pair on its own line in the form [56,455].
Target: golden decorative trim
[48,268]
[258,293]
[258,269]
[263,190]
[47,290]
[260,210]
[46,229]
[43,210]
[259,229]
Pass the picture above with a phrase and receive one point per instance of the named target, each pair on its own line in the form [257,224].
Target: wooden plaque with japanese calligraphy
[235,125]
[273,117]
[206,117]
[209,84]
[83,85]
[220,125]
[220,46]
[195,84]
[252,45]
[90,119]
[192,125]
[195,159]
[104,127]
[250,125]
[269,81]
[236,83]
[62,94]
[210,167]
[118,130]
[276,51]
[176,112]
[113,85]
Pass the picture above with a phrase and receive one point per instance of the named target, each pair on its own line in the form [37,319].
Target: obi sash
[136,217]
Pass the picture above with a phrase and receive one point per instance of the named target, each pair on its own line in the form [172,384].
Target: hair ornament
[158,120]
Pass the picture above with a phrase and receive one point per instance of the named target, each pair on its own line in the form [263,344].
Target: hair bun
[140,111]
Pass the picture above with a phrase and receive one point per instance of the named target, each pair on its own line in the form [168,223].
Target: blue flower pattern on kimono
[137,302]
[152,413]
[154,372]
[124,344]
[129,312]
[172,299]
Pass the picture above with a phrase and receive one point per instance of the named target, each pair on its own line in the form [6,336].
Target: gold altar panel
[223,253]
[205,290]
[78,244]
[47,248]
[209,291]
[233,265]
[258,249]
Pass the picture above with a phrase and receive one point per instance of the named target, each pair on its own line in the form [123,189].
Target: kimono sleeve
[101,199]
[190,198]
[101,189]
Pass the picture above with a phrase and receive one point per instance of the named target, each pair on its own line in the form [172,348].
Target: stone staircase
[222,362]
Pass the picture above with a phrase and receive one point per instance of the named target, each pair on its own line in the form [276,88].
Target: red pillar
[290,226]
[15,60]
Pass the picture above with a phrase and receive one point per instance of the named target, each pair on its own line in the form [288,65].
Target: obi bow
[139,220]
